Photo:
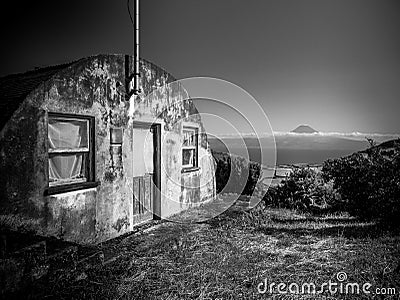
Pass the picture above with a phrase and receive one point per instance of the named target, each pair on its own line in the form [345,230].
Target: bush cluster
[306,190]
[365,184]
[369,182]
[229,174]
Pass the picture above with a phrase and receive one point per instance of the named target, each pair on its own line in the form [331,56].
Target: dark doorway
[146,171]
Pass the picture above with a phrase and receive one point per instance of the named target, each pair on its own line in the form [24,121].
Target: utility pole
[136,57]
[133,84]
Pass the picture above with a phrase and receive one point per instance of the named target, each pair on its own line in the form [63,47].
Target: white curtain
[67,134]
[189,137]
[63,135]
[64,167]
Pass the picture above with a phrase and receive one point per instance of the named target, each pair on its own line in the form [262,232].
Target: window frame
[89,160]
[195,129]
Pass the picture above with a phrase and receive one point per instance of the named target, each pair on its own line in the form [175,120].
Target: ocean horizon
[292,148]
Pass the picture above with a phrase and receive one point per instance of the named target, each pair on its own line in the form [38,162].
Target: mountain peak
[304,129]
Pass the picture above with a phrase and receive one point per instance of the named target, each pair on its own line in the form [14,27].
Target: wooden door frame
[156,129]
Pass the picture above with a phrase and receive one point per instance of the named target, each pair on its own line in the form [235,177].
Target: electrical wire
[129,11]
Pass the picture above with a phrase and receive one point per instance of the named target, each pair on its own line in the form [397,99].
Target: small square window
[71,159]
[190,148]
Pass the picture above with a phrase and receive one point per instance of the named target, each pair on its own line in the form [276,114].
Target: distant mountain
[303,148]
[293,148]
[304,129]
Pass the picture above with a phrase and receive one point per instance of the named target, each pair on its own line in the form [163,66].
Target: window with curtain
[69,149]
[189,147]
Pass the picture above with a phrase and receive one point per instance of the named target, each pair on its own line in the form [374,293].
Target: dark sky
[332,64]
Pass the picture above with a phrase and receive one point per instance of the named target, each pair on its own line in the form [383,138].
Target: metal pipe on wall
[136,57]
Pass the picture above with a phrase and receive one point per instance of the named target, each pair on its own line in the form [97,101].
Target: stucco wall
[96,86]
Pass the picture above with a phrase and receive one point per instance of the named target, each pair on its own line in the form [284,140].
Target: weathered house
[80,160]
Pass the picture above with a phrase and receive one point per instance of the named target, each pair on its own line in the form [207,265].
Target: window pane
[67,134]
[188,157]
[189,137]
[67,168]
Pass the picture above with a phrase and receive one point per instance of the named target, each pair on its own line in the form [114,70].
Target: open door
[146,171]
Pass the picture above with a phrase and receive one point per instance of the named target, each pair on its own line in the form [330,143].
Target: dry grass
[228,256]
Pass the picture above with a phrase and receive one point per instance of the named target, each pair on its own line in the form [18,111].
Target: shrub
[305,190]
[369,182]
[229,173]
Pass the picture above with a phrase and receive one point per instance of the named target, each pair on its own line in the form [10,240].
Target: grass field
[229,256]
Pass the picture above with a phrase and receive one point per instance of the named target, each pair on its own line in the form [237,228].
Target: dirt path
[229,256]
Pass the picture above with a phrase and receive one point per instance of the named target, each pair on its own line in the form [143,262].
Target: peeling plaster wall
[96,86]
